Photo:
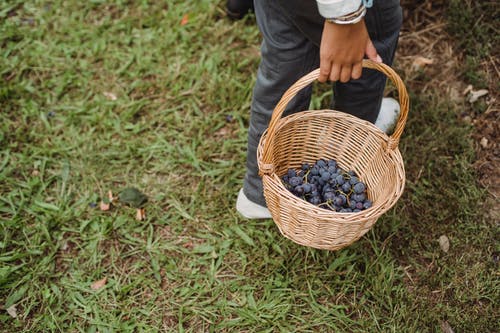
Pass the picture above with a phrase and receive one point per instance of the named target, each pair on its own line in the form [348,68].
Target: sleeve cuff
[337,8]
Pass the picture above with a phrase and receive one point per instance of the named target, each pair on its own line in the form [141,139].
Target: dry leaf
[223,132]
[484,142]
[444,243]
[140,215]
[185,19]
[12,311]
[188,245]
[446,327]
[467,90]
[106,202]
[99,284]
[421,62]
[475,95]
[110,196]
[110,96]
[104,206]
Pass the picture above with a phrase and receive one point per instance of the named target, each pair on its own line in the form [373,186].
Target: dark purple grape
[354,180]
[294,181]
[359,187]
[359,205]
[340,200]
[340,180]
[367,204]
[305,166]
[352,204]
[329,196]
[321,163]
[326,177]
[332,164]
[359,197]
[292,173]
[299,190]
[307,188]
[346,187]
[315,200]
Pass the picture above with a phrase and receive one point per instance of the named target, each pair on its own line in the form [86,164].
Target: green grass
[194,265]
[474,26]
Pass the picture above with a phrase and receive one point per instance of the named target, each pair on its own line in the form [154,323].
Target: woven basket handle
[312,76]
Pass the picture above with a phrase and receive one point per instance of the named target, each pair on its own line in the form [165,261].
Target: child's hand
[342,50]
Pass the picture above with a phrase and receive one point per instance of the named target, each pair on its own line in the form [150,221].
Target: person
[238,9]
[299,36]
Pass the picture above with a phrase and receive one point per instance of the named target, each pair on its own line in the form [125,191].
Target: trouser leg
[362,97]
[286,56]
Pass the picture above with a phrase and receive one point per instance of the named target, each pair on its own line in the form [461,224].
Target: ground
[99,97]
[428,33]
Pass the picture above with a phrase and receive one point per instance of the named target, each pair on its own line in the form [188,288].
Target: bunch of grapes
[326,185]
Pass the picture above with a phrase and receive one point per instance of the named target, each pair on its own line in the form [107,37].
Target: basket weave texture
[355,144]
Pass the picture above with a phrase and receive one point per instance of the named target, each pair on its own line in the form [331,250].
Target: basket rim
[268,168]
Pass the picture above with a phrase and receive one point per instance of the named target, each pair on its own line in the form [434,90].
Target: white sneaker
[388,115]
[250,209]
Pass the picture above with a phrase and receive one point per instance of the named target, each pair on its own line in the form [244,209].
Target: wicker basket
[354,143]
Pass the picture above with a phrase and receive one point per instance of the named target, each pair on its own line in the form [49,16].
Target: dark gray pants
[290,49]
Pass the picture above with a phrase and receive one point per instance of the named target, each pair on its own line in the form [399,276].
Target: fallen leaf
[444,243]
[110,196]
[185,19]
[421,62]
[475,95]
[104,206]
[110,96]
[99,284]
[223,132]
[188,245]
[12,311]
[140,215]
[467,90]
[484,142]
[446,327]
[132,197]
[468,119]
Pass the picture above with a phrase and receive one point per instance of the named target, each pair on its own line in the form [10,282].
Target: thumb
[371,52]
